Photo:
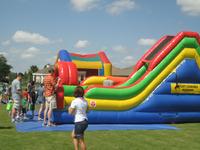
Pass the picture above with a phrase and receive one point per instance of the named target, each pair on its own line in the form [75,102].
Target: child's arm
[87,110]
[57,82]
[71,111]
[72,108]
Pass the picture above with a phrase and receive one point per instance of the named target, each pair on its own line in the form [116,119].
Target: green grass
[187,138]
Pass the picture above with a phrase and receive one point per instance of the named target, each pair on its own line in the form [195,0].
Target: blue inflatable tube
[64,56]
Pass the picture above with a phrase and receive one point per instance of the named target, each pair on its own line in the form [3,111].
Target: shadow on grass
[6,127]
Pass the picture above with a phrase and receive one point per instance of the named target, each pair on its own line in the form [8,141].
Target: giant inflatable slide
[164,87]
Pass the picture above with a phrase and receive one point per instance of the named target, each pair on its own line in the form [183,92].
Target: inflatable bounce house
[73,68]
[164,87]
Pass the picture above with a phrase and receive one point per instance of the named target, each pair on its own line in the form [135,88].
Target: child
[79,107]
[32,97]
[9,107]
[24,103]
[10,102]
[41,100]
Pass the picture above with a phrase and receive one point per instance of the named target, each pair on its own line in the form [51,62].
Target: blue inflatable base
[36,126]
[129,117]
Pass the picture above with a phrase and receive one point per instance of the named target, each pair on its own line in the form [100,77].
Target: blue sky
[33,31]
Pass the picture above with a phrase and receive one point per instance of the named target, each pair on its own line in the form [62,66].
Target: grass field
[187,138]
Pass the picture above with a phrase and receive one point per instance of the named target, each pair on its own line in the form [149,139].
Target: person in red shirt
[25,94]
[24,102]
[50,86]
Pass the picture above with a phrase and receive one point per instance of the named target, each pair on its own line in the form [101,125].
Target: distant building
[122,72]
[38,76]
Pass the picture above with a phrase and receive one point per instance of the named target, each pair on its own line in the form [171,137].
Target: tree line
[6,75]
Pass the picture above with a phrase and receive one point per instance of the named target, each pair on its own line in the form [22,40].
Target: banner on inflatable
[185,88]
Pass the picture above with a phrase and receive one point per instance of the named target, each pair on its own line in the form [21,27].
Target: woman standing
[78,108]
[50,86]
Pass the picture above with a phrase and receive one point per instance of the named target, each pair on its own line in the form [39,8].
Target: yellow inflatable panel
[107,69]
[102,104]
[94,80]
[88,65]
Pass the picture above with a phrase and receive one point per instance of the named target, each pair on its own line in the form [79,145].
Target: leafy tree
[4,69]
[26,79]
[33,69]
[28,75]
[12,76]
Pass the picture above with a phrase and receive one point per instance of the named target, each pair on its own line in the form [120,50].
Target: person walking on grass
[50,87]
[32,97]
[78,108]
[41,100]
[16,96]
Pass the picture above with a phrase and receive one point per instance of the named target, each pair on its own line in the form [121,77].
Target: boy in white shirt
[79,107]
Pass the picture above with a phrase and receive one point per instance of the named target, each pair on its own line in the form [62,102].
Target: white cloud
[4,53]
[32,50]
[22,58]
[28,37]
[128,61]
[84,5]
[116,7]
[5,43]
[146,42]
[119,6]
[30,53]
[14,50]
[82,44]
[27,55]
[190,7]
[120,49]
[129,58]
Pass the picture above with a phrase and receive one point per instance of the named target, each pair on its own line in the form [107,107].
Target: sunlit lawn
[187,138]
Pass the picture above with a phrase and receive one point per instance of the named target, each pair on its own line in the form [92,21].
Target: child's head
[78,92]
[32,83]
[51,71]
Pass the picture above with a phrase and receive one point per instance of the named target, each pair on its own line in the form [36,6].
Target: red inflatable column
[73,73]
[63,74]
[60,97]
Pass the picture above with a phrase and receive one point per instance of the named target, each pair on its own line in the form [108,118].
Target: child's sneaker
[17,117]
[13,120]
[40,119]
[51,125]
[44,124]
[25,118]
[31,117]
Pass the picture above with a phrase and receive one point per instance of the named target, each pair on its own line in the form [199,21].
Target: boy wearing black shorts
[78,108]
